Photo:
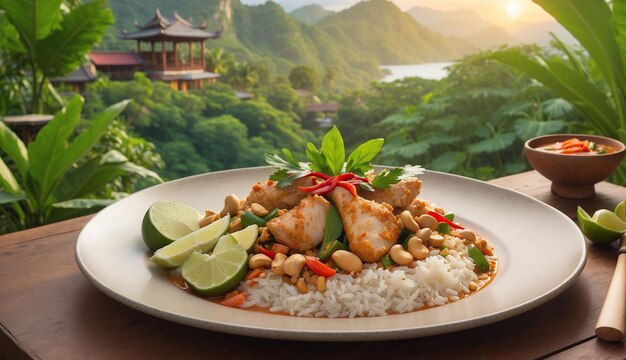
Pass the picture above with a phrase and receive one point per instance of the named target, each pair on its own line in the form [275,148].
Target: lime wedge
[217,273]
[603,228]
[203,240]
[247,237]
[166,221]
[620,211]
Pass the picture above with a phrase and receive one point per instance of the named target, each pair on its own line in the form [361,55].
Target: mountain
[310,14]
[378,29]
[493,36]
[458,23]
[353,42]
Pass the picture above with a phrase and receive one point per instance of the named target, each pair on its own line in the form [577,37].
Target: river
[433,71]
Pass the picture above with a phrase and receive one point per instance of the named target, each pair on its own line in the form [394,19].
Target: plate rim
[330,334]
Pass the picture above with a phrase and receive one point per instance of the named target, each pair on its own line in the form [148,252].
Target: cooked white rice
[437,280]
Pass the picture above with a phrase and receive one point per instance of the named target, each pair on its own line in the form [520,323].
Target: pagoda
[172,50]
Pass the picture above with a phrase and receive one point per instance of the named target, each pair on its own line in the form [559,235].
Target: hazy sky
[496,11]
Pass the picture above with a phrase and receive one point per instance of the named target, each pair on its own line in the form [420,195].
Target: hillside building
[168,48]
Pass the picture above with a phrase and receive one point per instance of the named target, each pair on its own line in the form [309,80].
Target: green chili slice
[248,218]
[387,262]
[449,216]
[272,214]
[330,248]
[479,259]
[444,228]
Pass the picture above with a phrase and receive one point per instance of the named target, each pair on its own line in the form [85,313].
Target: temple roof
[115,58]
[163,27]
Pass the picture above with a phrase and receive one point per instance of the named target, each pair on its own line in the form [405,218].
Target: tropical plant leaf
[530,128]
[14,148]
[619,21]
[49,143]
[566,83]
[448,161]
[556,108]
[87,139]
[64,50]
[494,144]
[77,207]
[95,174]
[515,167]
[411,150]
[589,22]
[398,120]
[7,180]
[33,19]
[6,198]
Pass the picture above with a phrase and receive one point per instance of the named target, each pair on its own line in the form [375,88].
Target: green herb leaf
[333,227]
[286,170]
[366,186]
[334,151]
[318,163]
[386,178]
[359,160]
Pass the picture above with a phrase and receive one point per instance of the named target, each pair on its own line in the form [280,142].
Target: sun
[513,10]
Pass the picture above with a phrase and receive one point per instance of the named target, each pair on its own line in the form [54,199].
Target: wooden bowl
[573,176]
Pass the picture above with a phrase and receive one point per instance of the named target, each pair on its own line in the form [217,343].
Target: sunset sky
[501,12]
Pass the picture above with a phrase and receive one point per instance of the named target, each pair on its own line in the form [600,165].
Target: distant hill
[457,23]
[311,14]
[493,36]
[354,41]
[466,24]
[379,29]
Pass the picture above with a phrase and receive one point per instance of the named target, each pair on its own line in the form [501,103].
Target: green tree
[221,141]
[218,61]
[242,76]
[304,77]
[55,41]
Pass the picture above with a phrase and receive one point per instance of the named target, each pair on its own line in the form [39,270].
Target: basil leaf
[318,163]
[359,160]
[333,227]
[290,157]
[333,150]
[366,186]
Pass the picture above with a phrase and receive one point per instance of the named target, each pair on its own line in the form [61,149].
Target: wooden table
[48,310]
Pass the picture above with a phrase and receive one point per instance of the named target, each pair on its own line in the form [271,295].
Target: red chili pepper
[319,268]
[442,218]
[348,186]
[318,174]
[269,253]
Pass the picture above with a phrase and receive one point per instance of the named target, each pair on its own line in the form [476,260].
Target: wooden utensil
[611,324]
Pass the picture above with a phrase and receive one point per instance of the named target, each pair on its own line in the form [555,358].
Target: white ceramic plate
[541,253]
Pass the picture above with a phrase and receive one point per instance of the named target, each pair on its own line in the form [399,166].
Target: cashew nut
[278,263]
[399,256]
[435,241]
[347,261]
[467,235]
[231,205]
[427,221]
[294,264]
[301,286]
[417,249]
[320,283]
[408,222]
[258,210]
[259,261]
[207,219]
[424,235]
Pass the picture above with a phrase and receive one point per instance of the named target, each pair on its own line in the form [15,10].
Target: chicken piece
[302,228]
[271,197]
[399,195]
[420,206]
[371,227]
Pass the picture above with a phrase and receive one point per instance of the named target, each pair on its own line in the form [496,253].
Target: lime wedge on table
[203,240]
[603,228]
[166,221]
[620,211]
[247,237]
[217,273]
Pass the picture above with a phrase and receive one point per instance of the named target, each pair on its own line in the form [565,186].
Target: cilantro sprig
[330,159]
